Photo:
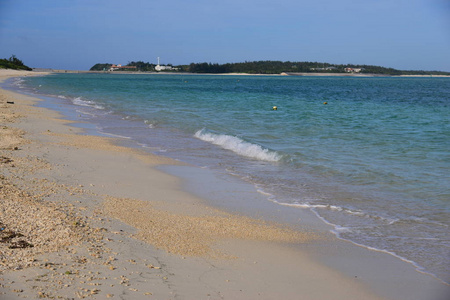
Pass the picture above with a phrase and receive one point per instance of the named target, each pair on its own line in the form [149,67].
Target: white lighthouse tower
[158,67]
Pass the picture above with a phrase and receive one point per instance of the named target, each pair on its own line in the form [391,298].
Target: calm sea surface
[374,161]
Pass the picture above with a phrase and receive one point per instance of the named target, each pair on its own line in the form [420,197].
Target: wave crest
[81,102]
[238,146]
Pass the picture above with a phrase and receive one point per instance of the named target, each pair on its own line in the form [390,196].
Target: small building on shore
[159,68]
[353,70]
[122,68]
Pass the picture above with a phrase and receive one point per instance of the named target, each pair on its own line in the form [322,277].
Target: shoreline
[312,74]
[87,172]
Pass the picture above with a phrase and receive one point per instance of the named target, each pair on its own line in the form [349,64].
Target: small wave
[19,82]
[149,124]
[86,113]
[417,266]
[310,206]
[419,220]
[357,213]
[81,102]
[339,230]
[114,135]
[151,148]
[238,146]
[264,193]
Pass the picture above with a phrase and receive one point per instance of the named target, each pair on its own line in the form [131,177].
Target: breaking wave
[82,102]
[238,146]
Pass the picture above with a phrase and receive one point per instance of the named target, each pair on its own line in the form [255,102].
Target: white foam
[340,229]
[149,124]
[418,267]
[151,148]
[19,82]
[311,206]
[264,193]
[238,146]
[337,230]
[114,135]
[79,101]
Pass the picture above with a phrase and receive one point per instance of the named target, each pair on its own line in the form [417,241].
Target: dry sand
[81,217]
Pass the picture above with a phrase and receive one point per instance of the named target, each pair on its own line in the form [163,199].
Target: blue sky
[76,34]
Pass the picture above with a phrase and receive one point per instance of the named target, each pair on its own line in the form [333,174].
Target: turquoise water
[373,162]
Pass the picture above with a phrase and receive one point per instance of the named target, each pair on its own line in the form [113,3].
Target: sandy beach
[83,217]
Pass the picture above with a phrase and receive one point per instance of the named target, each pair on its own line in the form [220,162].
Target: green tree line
[13,63]
[100,67]
[255,67]
[277,67]
[140,66]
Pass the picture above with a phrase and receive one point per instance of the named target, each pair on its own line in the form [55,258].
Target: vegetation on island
[140,66]
[13,63]
[277,67]
[100,67]
[270,67]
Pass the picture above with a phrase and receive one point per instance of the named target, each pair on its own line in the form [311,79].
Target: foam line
[238,146]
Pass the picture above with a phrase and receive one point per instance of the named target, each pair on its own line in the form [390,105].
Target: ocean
[368,155]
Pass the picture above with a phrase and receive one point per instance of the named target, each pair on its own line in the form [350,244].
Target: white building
[159,68]
[353,70]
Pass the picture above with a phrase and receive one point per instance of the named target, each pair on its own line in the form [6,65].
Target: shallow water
[373,161]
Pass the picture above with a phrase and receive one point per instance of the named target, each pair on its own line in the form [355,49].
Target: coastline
[93,179]
[240,74]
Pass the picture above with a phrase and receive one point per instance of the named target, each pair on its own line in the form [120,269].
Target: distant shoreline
[236,74]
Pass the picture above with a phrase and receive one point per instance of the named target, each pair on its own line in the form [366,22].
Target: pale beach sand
[81,217]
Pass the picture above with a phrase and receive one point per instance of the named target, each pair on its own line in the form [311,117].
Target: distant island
[267,67]
[262,67]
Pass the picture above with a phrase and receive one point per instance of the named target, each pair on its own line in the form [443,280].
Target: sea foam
[238,146]
[82,102]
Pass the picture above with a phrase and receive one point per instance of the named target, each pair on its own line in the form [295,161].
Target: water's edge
[220,185]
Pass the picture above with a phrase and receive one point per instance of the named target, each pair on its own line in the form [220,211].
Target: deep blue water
[374,161]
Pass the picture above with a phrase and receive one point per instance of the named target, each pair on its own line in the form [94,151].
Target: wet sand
[82,217]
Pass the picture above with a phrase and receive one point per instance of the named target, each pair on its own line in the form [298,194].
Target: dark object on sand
[20,244]
[6,236]
[5,160]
